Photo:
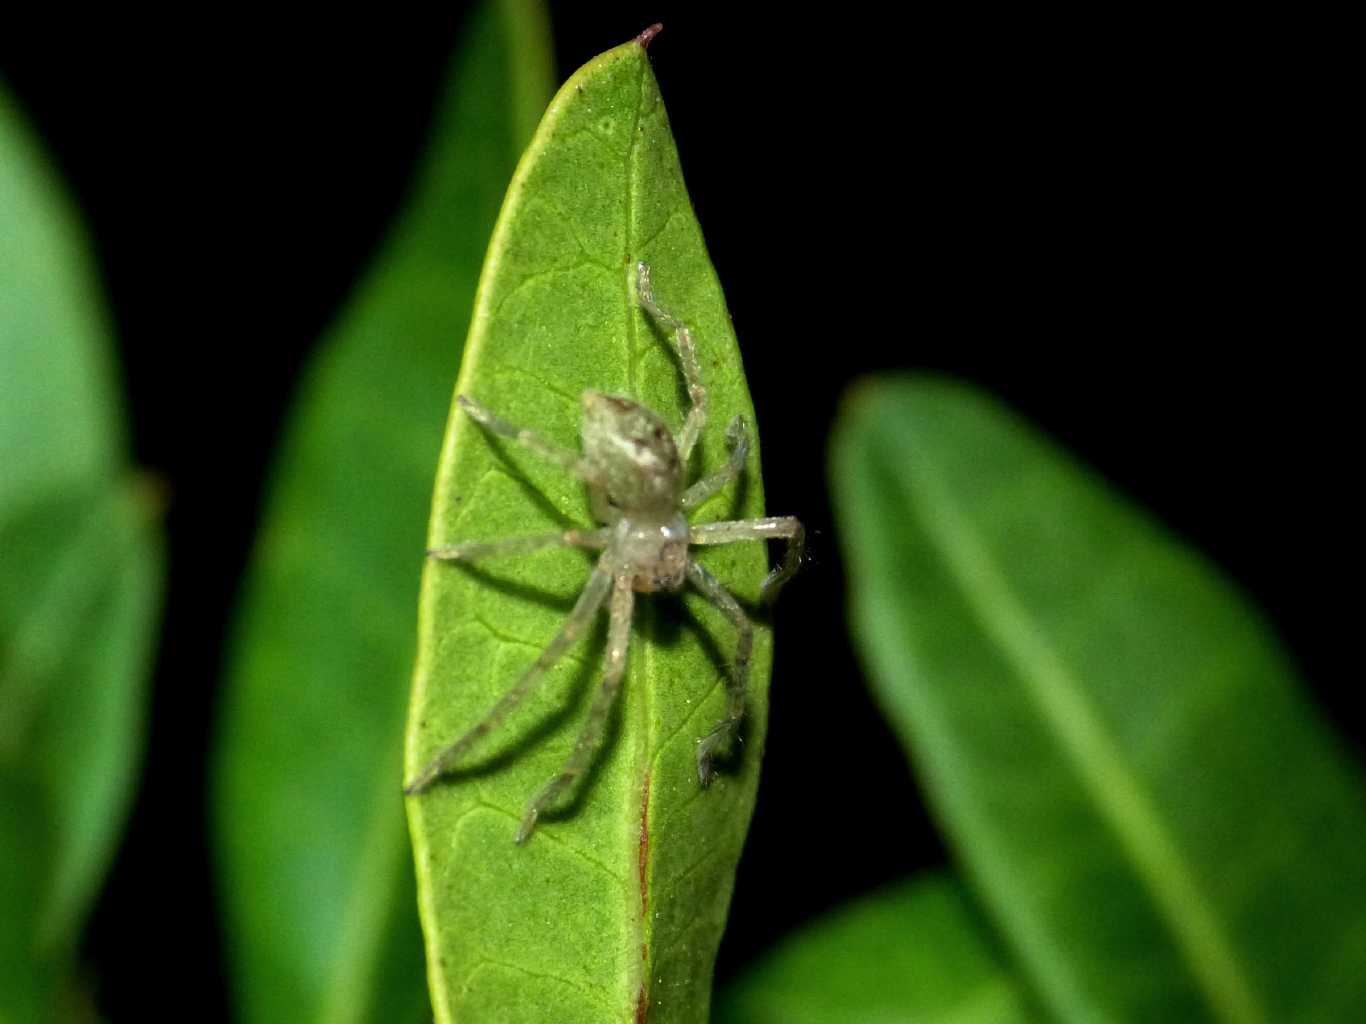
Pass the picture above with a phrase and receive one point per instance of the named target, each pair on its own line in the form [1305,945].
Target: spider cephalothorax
[633,467]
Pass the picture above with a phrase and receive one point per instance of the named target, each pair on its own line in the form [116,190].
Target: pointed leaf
[80,580]
[312,847]
[614,908]
[914,952]
[1118,747]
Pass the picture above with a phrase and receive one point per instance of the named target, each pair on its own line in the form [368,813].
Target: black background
[1125,225]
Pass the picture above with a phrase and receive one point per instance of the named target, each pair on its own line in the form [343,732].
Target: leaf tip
[151,495]
[858,394]
[645,38]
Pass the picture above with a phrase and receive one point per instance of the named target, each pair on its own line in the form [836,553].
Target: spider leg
[618,636]
[710,588]
[737,437]
[565,457]
[687,354]
[760,529]
[472,551]
[587,606]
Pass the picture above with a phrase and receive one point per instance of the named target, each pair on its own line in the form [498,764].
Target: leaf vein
[553,838]
[547,385]
[571,228]
[682,725]
[598,996]
[536,645]
[647,243]
[535,277]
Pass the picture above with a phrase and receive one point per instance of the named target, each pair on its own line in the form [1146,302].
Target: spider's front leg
[737,440]
[565,457]
[687,355]
[475,550]
[710,588]
[618,636]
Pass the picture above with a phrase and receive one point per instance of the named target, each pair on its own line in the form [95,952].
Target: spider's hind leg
[587,606]
[719,738]
[618,636]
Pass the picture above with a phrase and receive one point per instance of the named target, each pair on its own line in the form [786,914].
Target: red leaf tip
[644,38]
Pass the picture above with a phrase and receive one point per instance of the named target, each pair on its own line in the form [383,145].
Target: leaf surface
[317,880]
[80,583]
[1119,749]
[614,908]
[914,952]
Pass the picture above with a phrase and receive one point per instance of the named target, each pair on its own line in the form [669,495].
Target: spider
[634,470]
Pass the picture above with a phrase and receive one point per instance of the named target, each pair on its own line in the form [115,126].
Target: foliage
[1149,820]
[80,586]
[1120,752]
[916,951]
[614,909]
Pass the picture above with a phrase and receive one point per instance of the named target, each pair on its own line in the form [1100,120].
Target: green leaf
[614,908]
[914,952]
[1120,750]
[80,581]
[317,880]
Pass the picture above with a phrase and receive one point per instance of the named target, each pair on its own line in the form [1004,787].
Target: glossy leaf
[317,879]
[614,908]
[915,952]
[80,580]
[1119,749]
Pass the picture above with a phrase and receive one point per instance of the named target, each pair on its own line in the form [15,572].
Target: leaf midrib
[638,802]
[1117,793]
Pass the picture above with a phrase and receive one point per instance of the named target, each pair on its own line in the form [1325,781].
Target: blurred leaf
[614,908]
[80,580]
[316,876]
[1118,747]
[912,954]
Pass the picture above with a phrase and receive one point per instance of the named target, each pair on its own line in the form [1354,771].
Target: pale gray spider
[634,471]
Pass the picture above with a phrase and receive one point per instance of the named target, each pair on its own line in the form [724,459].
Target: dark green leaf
[80,579]
[614,908]
[317,878]
[916,952]
[1119,749]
